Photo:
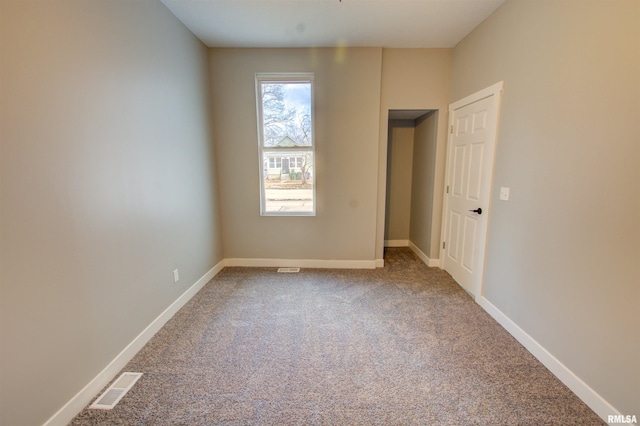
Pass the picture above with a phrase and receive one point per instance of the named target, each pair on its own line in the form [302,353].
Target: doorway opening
[411,166]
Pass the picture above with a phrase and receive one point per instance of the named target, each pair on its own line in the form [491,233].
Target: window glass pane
[286,145]
[288,187]
[286,114]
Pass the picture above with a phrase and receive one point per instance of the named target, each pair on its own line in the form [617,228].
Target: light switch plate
[505,193]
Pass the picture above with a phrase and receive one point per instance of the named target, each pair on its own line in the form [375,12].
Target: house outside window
[286,145]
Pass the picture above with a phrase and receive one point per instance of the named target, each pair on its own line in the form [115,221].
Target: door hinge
[452,129]
[444,245]
[447,189]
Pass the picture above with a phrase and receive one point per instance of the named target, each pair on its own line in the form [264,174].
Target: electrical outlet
[176,276]
[505,193]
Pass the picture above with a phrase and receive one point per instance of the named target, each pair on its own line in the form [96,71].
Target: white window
[295,162]
[286,144]
[275,162]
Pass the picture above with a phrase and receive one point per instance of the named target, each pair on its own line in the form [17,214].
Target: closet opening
[411,165]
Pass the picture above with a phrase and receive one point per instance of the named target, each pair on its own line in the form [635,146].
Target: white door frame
[496,91]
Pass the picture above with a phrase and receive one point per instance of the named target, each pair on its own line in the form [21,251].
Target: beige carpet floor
[398,345]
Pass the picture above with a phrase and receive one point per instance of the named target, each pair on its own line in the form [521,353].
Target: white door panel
[470,155]
[454,231]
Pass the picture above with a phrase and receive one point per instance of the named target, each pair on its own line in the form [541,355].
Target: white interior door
[470,152]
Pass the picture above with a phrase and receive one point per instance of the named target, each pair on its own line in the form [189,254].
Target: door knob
[478,210]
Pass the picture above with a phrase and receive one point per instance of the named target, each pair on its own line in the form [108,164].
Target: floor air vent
[116,391]
[289,270]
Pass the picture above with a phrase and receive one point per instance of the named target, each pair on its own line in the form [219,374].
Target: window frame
[297,161]
[275,161]
[284,78]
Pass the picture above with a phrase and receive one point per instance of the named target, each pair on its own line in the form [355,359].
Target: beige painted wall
[413,79]
[399,168]
[347,106]
[424,234]
[563,256]
[106,186]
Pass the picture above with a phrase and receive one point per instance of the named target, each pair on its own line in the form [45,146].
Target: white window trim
[284,78]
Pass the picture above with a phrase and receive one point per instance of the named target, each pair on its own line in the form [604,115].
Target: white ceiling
[330,23]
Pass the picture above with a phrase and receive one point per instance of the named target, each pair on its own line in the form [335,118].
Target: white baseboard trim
[433,263]
[590,397]
[379,263]
[302,263]
[84,397]
[396,243]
